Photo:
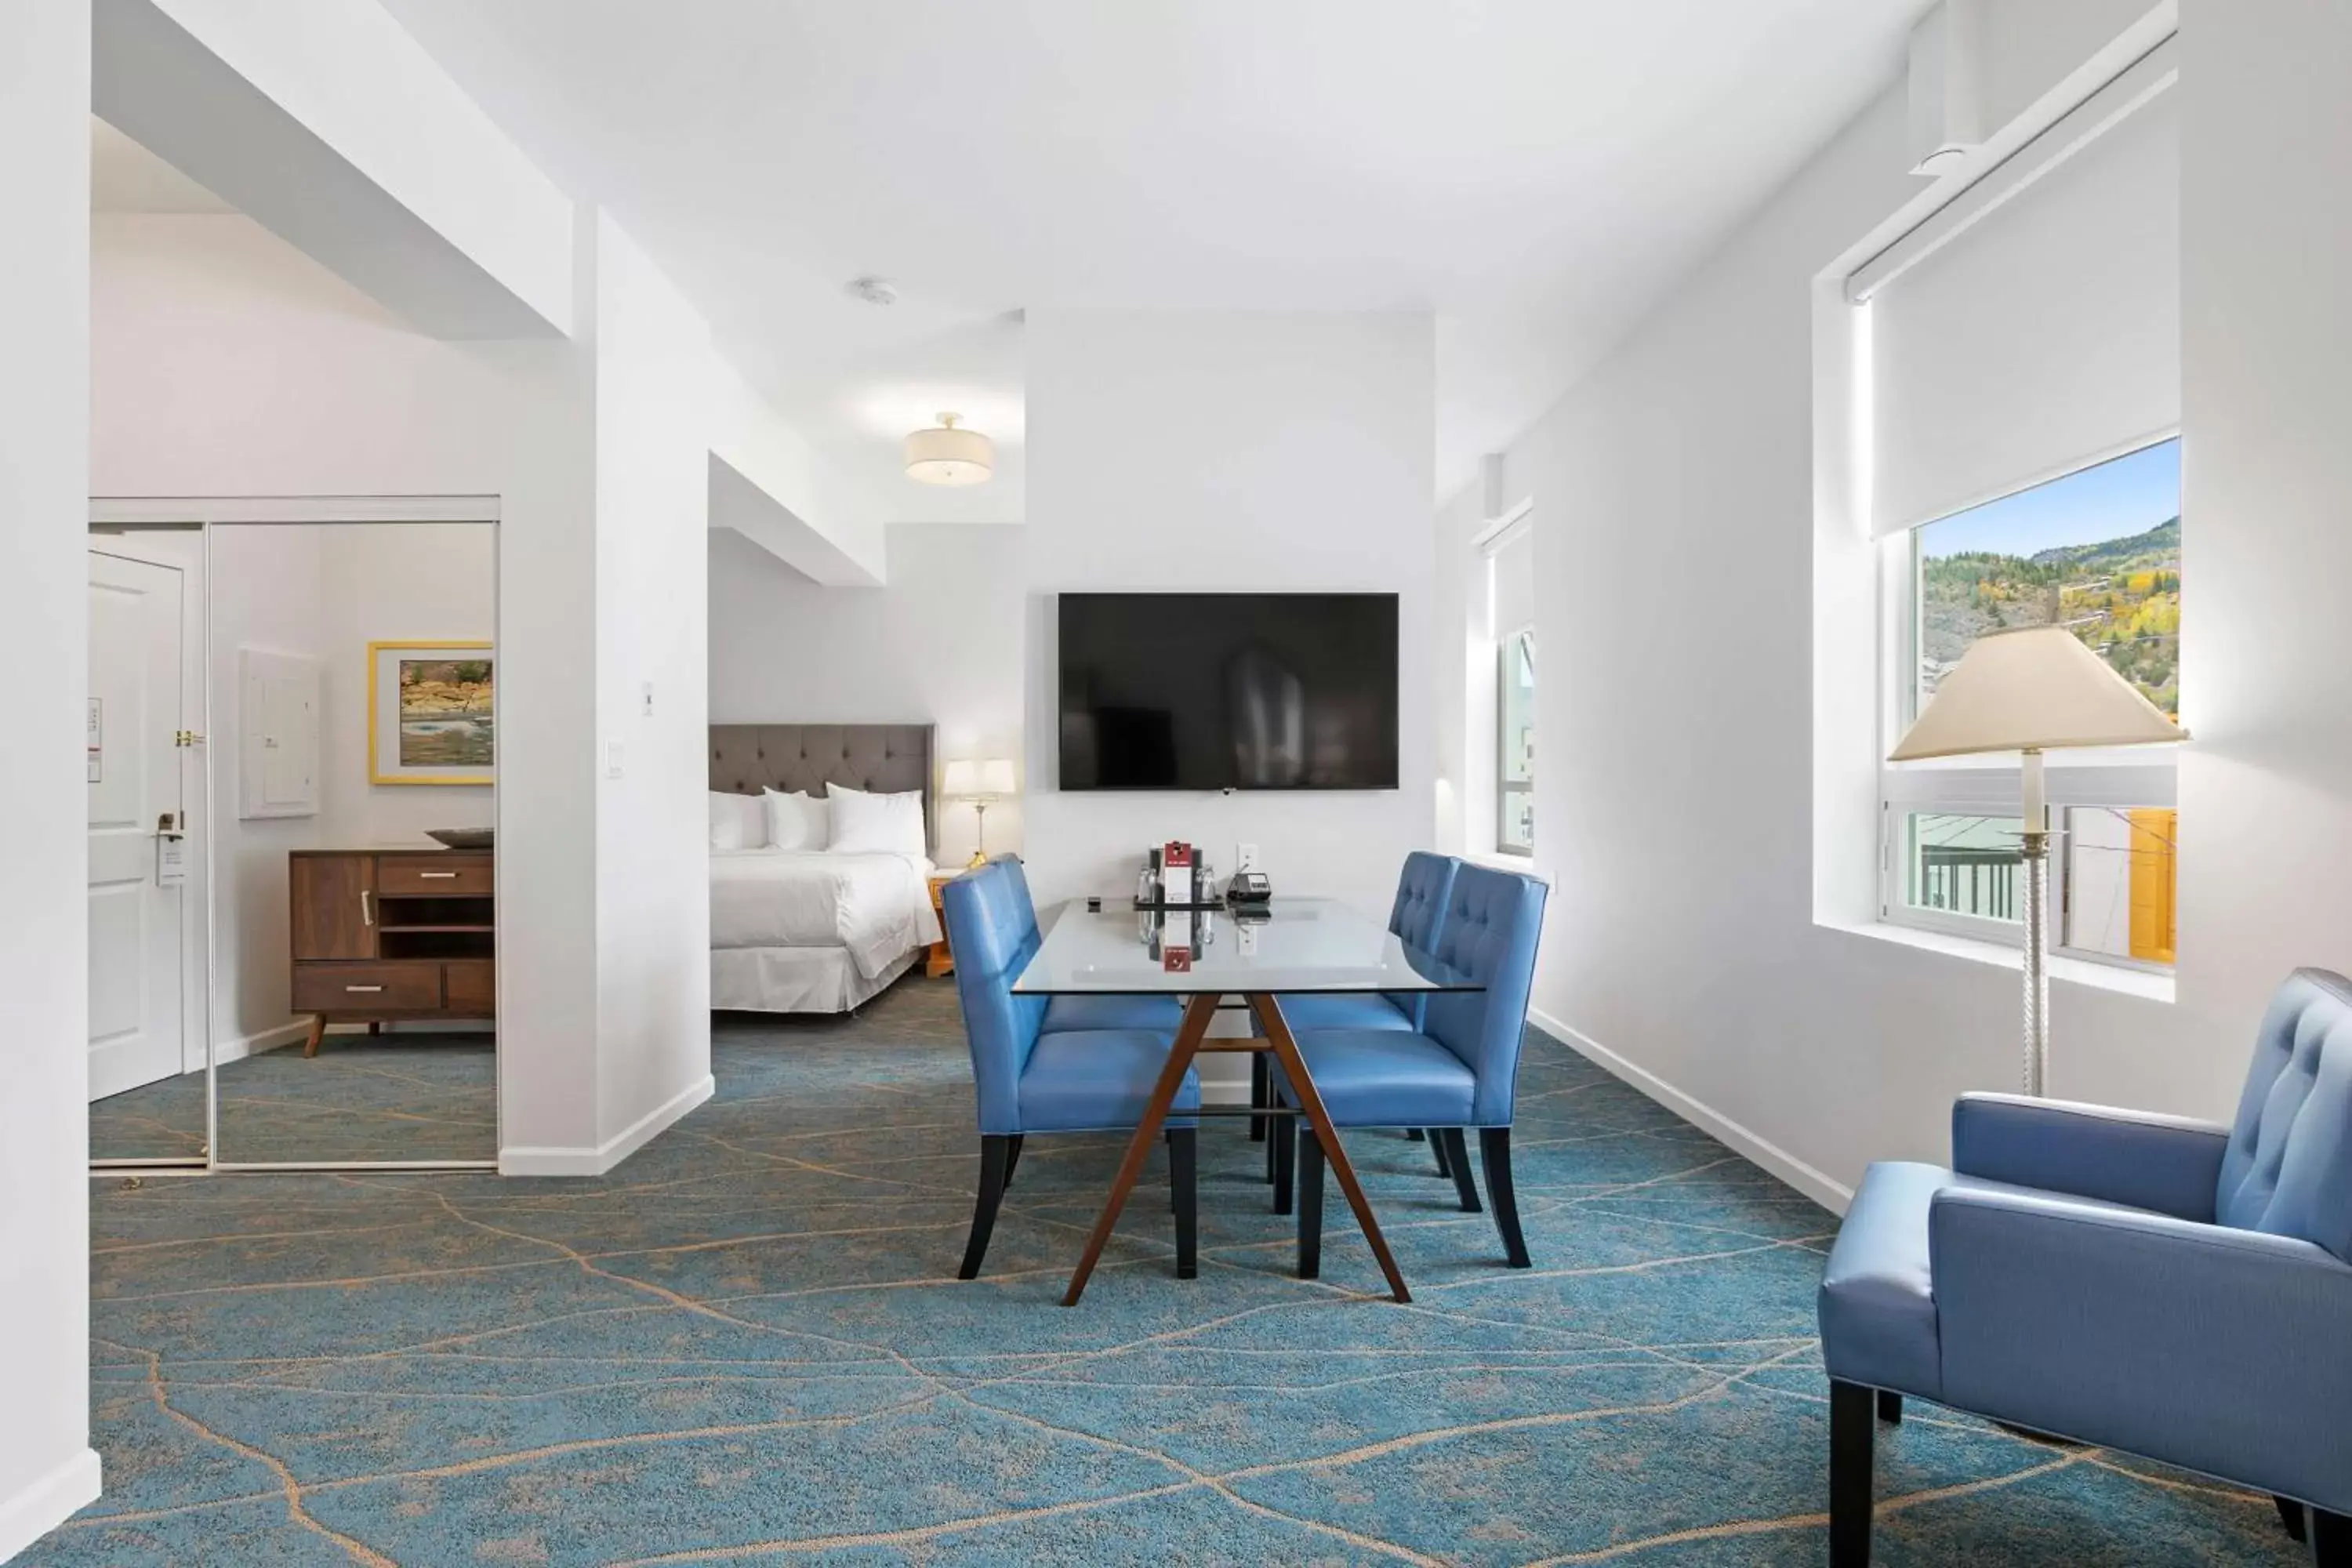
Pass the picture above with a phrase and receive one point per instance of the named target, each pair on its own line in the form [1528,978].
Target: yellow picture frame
[391,731]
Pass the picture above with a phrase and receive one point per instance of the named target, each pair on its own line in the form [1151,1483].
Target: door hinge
[186,738]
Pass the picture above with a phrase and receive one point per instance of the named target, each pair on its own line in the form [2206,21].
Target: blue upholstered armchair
[2172,1289]
[1052,1070]
[1458,1070]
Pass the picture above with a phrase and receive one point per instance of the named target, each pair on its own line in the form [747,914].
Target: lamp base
[979,859]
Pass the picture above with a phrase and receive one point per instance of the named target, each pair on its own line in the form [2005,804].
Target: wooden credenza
[385,934]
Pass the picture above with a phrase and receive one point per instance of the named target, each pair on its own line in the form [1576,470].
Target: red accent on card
[1176,961]
[1176,854]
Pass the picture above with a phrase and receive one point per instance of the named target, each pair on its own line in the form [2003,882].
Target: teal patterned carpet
[746,1346]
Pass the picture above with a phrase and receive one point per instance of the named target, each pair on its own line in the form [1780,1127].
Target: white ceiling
[1535,172]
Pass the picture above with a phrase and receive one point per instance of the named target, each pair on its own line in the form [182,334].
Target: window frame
[1505,787]
[2119,778]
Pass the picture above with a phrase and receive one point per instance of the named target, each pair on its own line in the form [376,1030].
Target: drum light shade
[969,778]
[947,455]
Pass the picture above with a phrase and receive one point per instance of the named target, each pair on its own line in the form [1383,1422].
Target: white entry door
[137,902]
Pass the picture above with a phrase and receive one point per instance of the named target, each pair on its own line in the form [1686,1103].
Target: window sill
[2141,983]
[1525,865]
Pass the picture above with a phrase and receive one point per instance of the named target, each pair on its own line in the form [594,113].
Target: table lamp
[980,782]
[2033,689]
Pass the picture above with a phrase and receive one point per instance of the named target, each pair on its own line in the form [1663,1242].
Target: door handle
[364,990]
[367,908]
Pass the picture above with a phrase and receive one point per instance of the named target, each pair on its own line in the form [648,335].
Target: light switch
[614,758]
[649,698]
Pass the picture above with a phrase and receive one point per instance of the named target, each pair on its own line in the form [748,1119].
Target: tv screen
[1229,691]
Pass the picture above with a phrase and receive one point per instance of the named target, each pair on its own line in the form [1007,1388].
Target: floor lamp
[2030,691]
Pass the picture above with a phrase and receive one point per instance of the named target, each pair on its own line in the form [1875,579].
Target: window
[2098,551]
[1515,725]
[1510,559]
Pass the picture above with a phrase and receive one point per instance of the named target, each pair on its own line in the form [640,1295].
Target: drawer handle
[366,990]
[367,908]
[437,876]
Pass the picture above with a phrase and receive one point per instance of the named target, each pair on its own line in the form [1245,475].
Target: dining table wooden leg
[1310,1104]
[1199,1013]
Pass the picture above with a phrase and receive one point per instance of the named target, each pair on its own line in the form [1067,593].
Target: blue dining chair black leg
[2331,1539]
[1412,1134]
[996,1170]
[1310,1206]
[1012,1159]
[1261,1093]
[1495,1153]
[1183,1154]
[1890,1407]
[1457,1159]
[2291,1515]
[1285,1144]
[1437,1147]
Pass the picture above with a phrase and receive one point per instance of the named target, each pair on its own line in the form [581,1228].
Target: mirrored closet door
[354,686]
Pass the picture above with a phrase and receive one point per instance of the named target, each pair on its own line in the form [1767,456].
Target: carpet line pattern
[748,1345]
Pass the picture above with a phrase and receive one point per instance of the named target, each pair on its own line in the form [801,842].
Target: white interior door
[137,893]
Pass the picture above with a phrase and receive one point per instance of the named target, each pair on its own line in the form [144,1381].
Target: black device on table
[1248,893]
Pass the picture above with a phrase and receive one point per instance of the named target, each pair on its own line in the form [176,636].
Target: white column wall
[47,1467]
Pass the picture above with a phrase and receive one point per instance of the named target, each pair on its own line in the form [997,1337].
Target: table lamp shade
[971,779]
[2034,689]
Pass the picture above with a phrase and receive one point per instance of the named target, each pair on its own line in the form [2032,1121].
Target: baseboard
[1832,1195]
[596,1162]
[48,1502]
[253,1045]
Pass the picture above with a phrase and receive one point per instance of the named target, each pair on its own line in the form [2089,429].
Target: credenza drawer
[441,876]
[366,987]
[471,988]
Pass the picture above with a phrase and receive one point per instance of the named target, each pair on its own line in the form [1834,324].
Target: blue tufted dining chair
[1065,1013]
[2173,1288]
[1458,1070]
[1031,1080]
[1419,909]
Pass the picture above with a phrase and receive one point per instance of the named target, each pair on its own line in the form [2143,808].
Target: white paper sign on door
[94,738]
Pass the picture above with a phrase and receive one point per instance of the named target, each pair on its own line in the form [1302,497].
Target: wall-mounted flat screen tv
[1228,691]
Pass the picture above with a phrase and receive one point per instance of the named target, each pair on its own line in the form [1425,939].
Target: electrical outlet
[1245,857]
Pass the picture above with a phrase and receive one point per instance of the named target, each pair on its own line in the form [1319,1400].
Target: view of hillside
[2122,596]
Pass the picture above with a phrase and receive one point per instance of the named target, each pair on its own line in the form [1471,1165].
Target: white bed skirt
[795,979]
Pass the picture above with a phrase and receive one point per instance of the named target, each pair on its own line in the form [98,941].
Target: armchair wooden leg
[2291,1515]
[1310,1206]
[1851,1433]
[1012,1158]
[2331,1538]
[1890,1408]
[995,1169]
[1285,1158]
[1183,1149]
[1495,1153]
[1457,1160]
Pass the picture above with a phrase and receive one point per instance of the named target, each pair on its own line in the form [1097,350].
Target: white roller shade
[1514,556]
[2040,336]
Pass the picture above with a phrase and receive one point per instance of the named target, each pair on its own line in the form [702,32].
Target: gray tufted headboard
[883,758]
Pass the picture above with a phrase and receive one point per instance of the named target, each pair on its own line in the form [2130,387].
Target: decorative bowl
[461,837]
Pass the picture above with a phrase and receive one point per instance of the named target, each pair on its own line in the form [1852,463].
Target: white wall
[941,645]
[2267,790]
[1676,493]
[652,870]
[1237,452]
[47,1467]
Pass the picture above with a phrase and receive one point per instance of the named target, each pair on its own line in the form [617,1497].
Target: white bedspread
[876,906]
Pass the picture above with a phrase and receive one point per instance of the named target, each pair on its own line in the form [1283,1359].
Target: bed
[796,930]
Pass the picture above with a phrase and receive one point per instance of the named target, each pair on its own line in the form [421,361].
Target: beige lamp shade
[949,455]
[2034,689]
[968,779]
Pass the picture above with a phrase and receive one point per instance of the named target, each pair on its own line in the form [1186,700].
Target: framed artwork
[431,712]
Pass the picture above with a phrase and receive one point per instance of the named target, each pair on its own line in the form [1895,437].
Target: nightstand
[941,959]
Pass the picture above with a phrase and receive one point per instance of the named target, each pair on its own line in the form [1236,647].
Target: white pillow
[797,821]
[890,824]
[737,822]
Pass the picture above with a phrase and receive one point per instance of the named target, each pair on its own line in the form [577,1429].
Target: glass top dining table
[1293,946]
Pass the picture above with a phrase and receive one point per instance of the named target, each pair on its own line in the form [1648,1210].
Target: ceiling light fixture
[945,455]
